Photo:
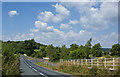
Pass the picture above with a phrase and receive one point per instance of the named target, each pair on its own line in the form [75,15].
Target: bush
[108,56]
[77,54]
[10,61]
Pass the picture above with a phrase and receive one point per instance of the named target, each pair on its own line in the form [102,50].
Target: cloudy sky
[61,23]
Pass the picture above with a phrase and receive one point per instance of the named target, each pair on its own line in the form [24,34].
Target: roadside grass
[79,69]
[45,65]
[11,67]
[75,69]
[29,58]
[32,58]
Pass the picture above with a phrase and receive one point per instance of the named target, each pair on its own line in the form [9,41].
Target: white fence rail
[111,63]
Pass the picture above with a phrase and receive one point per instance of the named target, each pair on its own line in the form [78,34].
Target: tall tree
[77,54]
[64,52]
[115,50]
[73,47]
[88,47]
[96,50]
[49,50]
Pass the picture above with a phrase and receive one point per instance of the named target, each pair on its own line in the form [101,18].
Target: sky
[60,23]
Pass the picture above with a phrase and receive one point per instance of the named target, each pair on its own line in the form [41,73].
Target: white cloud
[20,36]
[82,34]
[95,18]
[34,30]
[31,34]
[46,16]
[90,18]
[107,40]
[65,27]
[40,25]
[62,13]
[61,10]
[73,21]
[93,9]
[12,13]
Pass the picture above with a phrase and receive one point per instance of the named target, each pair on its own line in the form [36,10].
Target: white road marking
[34,69]
[42,74]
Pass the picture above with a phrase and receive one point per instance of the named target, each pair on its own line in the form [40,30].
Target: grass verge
[80,69]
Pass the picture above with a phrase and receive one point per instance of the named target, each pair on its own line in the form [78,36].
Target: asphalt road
[28,68]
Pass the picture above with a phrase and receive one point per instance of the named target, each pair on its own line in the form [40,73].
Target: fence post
[105,62]
[68,61]
[77,62]
[113,63]
[97,62]
[60,60]
[91,61]
[74,61]
[71,61]
[86,61]
[81,61]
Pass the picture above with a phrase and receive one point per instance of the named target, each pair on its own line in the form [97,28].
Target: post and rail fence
[110,63]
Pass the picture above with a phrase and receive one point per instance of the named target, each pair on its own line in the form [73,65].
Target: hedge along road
[29,68]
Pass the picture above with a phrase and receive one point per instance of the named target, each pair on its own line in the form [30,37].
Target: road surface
[28,68]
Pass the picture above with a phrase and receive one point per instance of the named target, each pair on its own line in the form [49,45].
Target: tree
[77,54]
[115,50]
[10,62]
[88,47]
[55,56]
[64,52]
[49,50]
[42,50]
[88,44]
[96,50]
[73,47]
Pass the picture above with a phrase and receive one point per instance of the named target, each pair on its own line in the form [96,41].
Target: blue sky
[61,23]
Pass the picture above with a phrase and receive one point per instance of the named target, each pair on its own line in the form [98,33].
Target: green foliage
[96,50]
[64,52]
[108,56]
[10,61]
[50,50]
[83,70]
[115,50]
[88,44]
[87,47]
[96,71]
[40,53]
[55,57]
[73,47]
[77,54]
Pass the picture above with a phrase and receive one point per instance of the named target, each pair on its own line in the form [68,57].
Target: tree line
[34,49]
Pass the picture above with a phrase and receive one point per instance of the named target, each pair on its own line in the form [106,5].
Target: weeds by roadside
[81,70]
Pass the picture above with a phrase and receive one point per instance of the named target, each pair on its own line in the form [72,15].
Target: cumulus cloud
[34,30]
[65,27]
[89,18]
[73,22]
[12,13]
[62,13]
[20,36]
[40,25]
[106,40]
[96,18]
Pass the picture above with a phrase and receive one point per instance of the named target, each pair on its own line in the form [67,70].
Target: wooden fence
[111,63]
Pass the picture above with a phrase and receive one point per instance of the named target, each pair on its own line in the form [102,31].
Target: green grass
[78,69]
[44,65]
[11,67]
